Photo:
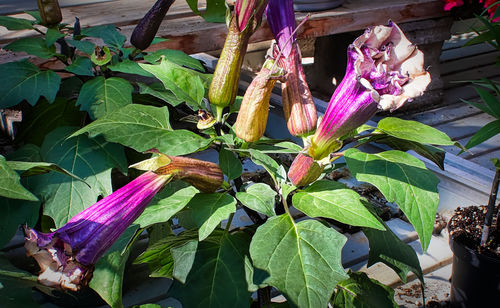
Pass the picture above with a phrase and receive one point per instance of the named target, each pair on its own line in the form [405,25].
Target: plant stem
[264,297]
[491,208]
[229,221]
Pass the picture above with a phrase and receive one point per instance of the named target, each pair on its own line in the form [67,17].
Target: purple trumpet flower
[67,256]
[298,104]
[384,70]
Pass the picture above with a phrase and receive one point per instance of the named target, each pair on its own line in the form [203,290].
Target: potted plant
[84,211]
[474,230]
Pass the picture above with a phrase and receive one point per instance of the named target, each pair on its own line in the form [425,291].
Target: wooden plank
[461,52]
[488,71]
[465,127]
[191,34]
[443,115]
[466,63]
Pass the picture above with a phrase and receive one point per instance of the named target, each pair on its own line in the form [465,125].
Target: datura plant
[127,159]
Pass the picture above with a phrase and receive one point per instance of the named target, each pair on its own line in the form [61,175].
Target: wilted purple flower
[298,104]
[384,69]
[67,256]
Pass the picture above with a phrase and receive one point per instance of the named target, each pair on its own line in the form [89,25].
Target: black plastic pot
[475,280]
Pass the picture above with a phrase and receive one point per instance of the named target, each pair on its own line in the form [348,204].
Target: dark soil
[466,226]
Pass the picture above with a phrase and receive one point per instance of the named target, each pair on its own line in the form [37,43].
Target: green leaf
[100,96]
[215,10]
[360,291]
[85,46]
[484,133]
[12,23]
[491,104]
[129,67]
[183,259]
[10,185]
[108,275]
[158,90]
[413,131]
[176,56]
[259,197]
[159,257]
[143,128]
[52,35]
[219,278]
[334,200]
[303,259]
[280,147]
[34,46]
[30,168]
[269,164]
[255,277]
[24,81]
[36,15]
[186,84]
[386,247]
[206,211]
[230,164]
[166,204]
[45,117]
[90,159]
[81,66]
[28,152]
[15,212]
[109,34]
[435,154]
[403,179]
[16,286]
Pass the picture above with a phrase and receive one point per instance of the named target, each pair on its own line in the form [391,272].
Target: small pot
[315,5]
[475,280]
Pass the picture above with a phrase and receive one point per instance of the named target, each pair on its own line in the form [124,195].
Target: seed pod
[146,29]
[298,104]
[224,85]
[50,12]
[252,117]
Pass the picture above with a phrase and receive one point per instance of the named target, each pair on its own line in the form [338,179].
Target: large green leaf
[45,117]
[129,67]
[143,128]
[360,291]
[215,10]
[484,133]
[269,164]
[100,96]
[85,46]
[108,274]
[435,154]
[176,56]
[12,23]
[10,186]
[334,200]
[15,212]
[109,34]
[81,66]
[159,256]
[186,84]
[90,159]
[386,247]
[158,90]
[219,278]
[30,168]
[206,211]
[183,256]
[303,259]
[24,81]
[34,46]
[413,131]
[173,198]
[403,179]
[259,197]
[230,164]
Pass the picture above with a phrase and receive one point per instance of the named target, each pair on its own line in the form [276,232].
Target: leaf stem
[229,221]
[491,208]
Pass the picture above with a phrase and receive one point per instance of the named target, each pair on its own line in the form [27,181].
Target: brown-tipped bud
[304,170]
[252,117]
[206,176]
[224,85]
[298,104]
[50,12]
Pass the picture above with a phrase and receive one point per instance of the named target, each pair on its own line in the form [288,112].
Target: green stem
[218,113]
[229,221]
